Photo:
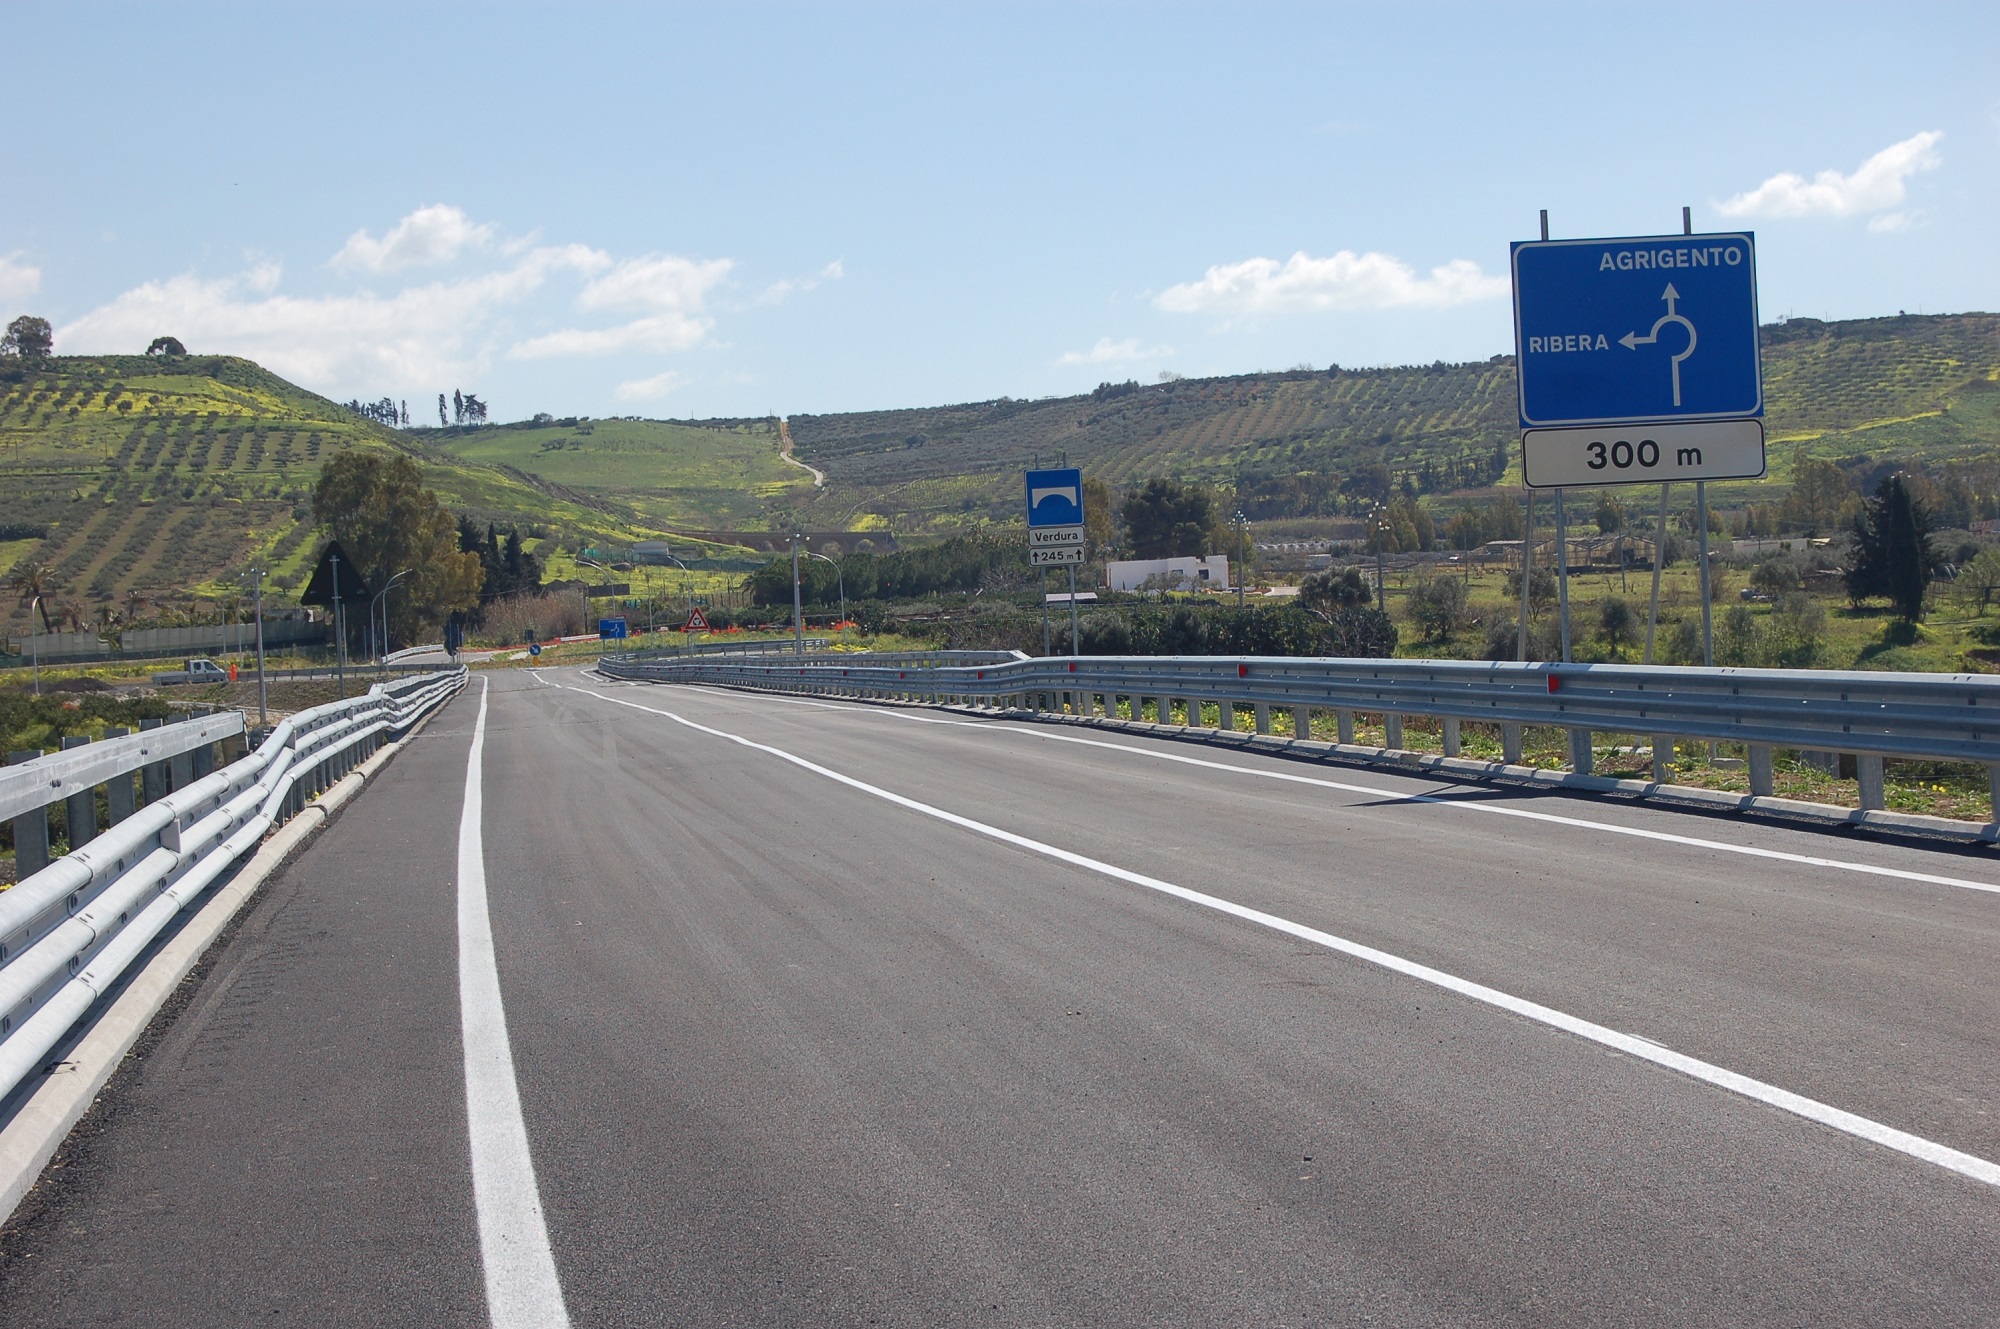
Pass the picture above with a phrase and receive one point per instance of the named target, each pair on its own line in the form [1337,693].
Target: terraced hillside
[1919,384]
[718,474]
[143,483]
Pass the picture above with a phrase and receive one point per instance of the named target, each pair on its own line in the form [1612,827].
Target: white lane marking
[522,1290]
[1440,800]
[1929,1151]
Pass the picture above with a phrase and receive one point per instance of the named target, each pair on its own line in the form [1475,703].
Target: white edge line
[1440,800]
[522,1289]
[1915,1146]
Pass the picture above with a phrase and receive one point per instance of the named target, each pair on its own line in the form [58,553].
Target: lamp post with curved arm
[842,579]
[382,598]
[686,598]
[34,637]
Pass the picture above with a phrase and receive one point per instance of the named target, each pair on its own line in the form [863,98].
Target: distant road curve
[785,455]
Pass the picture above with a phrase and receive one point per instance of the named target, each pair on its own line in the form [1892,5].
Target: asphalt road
[830,1014]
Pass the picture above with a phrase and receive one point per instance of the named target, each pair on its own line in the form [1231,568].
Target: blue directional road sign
[1055,498]
[1649,328]
[611,629]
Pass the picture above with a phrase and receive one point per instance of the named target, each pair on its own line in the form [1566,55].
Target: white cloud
[777,291]
[363,343]
[1877,184]
[645,389]
[1109,352]
[668,288]
[18,280]
[1346,280]
[434,234]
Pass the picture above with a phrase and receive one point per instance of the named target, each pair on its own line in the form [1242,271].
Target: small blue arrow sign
[1640,329]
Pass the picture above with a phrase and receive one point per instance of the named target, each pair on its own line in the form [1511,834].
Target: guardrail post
[1302,722]
[1868,771]
[1392,730]
[154,777]
[1993,789]
[1510,744]
[1761,782]
[1225,716]
[119,802]
[1663,758]
[1263,717]
[1451,741]
[80,807]
[201,761]
[1579,751]
[1343,722]
[180,770]
[31,831]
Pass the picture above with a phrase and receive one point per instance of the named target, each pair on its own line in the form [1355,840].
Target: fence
[1868,716]
[70,928]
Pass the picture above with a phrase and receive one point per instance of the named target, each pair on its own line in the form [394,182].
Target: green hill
[1307,443]
[147,483]
[144,483]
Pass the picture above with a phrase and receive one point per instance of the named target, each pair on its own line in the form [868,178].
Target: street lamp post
[798,606]
[842,577]
[382,598]
[257,613]
[1242,525]
[35,641]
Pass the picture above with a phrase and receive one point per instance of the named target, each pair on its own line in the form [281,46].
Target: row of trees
[466,409]
[383,412]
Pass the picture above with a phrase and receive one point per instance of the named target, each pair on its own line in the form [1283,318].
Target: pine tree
[1893,555]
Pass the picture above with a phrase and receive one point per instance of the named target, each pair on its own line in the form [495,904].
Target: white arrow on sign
[1632,341]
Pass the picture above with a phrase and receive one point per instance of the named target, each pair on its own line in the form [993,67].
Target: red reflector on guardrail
[1072,666]
[1242,671]
[1555,683]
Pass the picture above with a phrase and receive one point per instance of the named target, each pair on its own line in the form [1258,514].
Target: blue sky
[737,209]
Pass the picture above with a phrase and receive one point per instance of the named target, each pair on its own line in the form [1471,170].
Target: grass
[676,475]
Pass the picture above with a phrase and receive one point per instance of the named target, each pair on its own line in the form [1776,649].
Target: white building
[1169,574]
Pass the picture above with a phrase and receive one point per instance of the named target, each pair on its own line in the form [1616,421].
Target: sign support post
[1707,602]
[1562,573]
[1045,612]
[1527,570]
[1659,558]
[1072,611]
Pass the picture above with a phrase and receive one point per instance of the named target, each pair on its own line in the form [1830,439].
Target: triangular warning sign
[696,622]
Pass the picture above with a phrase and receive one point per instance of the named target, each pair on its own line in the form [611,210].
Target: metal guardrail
[816,651]
[1871,716]
[764,646]
[70,930]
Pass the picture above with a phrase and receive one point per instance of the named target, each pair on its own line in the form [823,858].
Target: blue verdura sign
[1055,498]
[1643,329]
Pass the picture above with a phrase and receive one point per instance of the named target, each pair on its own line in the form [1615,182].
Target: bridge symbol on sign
[1055,497]
[1632,341]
